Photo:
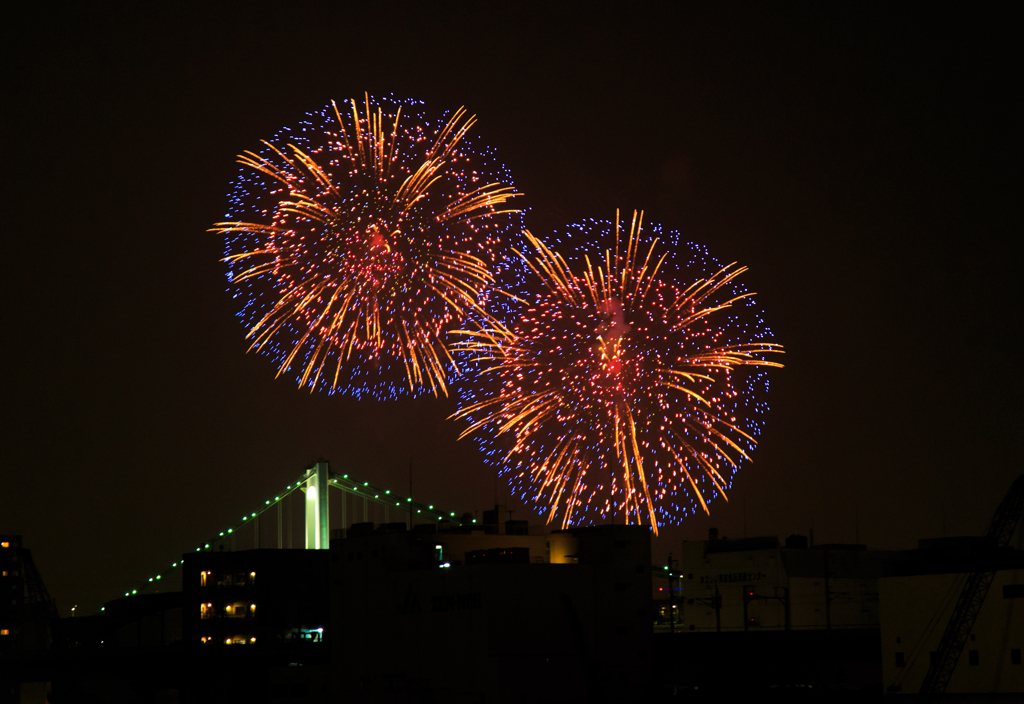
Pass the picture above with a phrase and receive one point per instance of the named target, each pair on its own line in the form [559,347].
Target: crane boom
[965,613]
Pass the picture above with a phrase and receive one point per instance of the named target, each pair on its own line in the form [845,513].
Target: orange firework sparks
[614,391]
[361,239]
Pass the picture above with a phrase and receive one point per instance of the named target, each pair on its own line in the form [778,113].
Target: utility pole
[828,597]
[748,596]
[718,610]
[715,602]
[789,618]
[671,596]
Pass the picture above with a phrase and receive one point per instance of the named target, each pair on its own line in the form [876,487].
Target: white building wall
[730,572]
[914,613]
[854,601]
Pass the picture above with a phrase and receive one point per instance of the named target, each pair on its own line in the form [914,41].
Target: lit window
[252,608]
[253,639]
[203,576]
[312,635]
[5,573]
[5,544]
[206,611]
[5,631]
[207,639]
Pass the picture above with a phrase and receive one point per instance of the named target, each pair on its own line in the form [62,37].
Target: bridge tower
[318,530]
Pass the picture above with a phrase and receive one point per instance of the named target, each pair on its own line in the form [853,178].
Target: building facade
[917,597]
[760,584]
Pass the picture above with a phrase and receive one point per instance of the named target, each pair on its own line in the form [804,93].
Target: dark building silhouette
[448,616]
[497,614]
[254,626]
[27,613]
[255,598]
[246,624]
[27,619]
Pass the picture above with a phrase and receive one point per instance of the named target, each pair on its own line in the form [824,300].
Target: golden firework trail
[610,366]
[376,239]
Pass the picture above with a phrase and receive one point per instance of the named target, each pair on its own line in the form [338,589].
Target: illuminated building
[255,597]
[250,623]
[255,624]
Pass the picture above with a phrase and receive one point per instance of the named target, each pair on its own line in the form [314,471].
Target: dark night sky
[862,164]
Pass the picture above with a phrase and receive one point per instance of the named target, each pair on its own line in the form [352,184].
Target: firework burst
[613,391]
[358,240]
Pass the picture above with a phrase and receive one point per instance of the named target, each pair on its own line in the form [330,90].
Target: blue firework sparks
[357,240]
[622,383]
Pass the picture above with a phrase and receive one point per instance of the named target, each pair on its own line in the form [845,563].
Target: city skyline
[857,163]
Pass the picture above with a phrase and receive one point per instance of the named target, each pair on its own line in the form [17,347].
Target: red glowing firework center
[618,390]
[363,238]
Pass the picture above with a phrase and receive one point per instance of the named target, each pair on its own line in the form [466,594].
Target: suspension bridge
[355,499]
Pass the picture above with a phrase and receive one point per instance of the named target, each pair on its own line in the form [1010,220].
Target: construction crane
[1003,525]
